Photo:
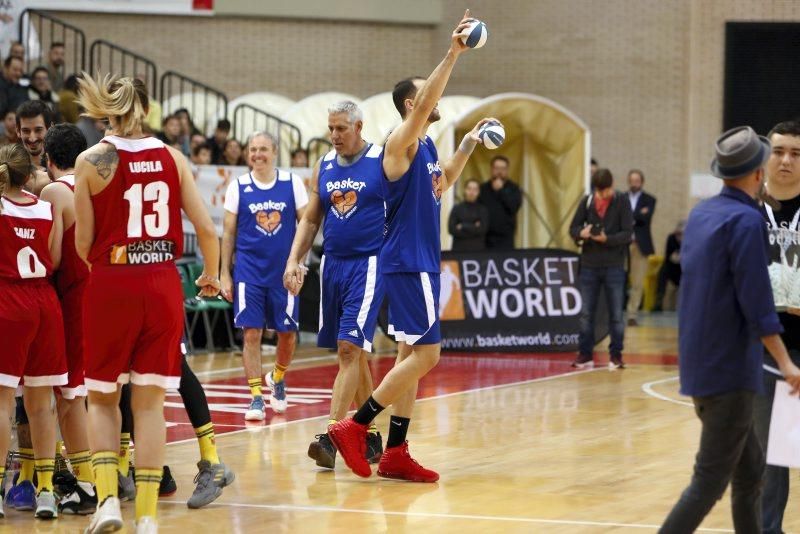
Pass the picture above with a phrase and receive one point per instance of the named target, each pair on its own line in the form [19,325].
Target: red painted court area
[309,390]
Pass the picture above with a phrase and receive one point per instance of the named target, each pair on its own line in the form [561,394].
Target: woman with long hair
[129,192]
[30,318]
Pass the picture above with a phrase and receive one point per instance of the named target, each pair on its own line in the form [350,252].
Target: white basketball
[474,35]
[492,135]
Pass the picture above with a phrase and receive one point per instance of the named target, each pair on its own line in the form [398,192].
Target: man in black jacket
[602,225]
[642,207]
[469,220]
[502,198]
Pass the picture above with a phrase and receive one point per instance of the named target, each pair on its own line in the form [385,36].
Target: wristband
[467,145]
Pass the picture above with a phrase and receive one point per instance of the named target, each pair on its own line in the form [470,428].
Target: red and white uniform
[30,316]
[70,280]
[133,306]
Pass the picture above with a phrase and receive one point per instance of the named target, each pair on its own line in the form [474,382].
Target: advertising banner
[510,301]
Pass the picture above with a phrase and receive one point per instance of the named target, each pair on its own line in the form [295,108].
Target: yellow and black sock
[373,428]
[147,483]
[255,386]
[45,467]
[208,446]
[105,465]
[124,453]
[81,463]
[331,422]
[278,372]
[26,465]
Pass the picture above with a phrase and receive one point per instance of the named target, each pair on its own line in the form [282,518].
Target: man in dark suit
[642,206]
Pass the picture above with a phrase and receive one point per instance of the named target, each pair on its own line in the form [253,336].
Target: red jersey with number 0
[137,217]
[25,235]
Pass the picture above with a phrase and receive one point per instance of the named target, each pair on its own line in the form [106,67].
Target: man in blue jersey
[410,259]
[348,200]
[262,208]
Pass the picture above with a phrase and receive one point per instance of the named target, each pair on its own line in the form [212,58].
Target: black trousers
[729,452]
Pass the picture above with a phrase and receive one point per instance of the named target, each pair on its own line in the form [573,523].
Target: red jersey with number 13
[25,235]
[138,215]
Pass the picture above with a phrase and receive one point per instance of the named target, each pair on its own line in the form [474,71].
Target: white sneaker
[147,525]
[255,412]
[2,513]
[107,518]
[277,395]
[46,507]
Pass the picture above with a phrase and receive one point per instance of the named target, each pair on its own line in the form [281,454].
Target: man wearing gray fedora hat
[726,313]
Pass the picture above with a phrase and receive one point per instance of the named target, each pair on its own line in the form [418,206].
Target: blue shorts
[259,307]
[352,293]
[413,307]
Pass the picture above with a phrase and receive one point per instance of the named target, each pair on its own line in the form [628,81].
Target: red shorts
[32,335]
[133,323]
[72,309]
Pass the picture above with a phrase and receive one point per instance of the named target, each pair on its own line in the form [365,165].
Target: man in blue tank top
[415,181]
[348,200]
[262,208]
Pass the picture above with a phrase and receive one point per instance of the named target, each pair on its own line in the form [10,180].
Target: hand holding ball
[492,135]
[475,34]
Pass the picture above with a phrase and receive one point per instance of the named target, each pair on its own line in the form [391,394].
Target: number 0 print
[156,224]
[28,264]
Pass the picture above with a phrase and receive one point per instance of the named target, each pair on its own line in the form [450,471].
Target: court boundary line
[647,387]
[434,515]
[258,428]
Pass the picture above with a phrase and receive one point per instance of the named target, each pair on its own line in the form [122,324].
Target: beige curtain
[548,152]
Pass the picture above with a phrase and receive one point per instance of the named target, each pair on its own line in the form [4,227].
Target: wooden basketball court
[522,443]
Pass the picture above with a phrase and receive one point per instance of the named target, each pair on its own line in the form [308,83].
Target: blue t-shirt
[353,202]
[265,227]
[414,202]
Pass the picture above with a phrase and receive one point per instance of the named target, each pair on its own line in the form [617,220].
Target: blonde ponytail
[15,168]
[122,100]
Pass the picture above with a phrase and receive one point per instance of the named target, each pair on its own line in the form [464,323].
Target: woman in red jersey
[30,318]
[129,192]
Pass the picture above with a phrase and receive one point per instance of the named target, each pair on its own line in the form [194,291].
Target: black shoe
[583,362]
[64,483]
[616,363]
[81,501]
[633,322]
[168,486]
[374,447]
[323,451]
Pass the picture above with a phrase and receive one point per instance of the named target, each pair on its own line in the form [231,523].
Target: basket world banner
[511,301]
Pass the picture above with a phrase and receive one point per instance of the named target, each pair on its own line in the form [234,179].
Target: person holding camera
[603,228]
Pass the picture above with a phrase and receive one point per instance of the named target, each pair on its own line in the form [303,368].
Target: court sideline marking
[436,397]
[431,515]
[648,389]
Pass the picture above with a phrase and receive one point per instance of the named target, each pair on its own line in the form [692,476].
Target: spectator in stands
[17,50]
[469,220]
[201,155]
[603,227]
[593,166]
[171,132]
[14,93]
[232,153]
[188,129]
[67,100]
[669,276]
[218,140]
[55,65]
[299,157]
[10,125]
[195,141]
[41,89]
[502,198]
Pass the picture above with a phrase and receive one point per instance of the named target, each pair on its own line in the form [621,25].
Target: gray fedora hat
[739,152]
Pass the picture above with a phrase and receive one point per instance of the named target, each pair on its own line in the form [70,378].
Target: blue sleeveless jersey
[265,228]
[414,206]
[353,202]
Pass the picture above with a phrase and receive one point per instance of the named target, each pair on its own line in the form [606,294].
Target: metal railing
[316,148]
[106,57]
[39,30]
[248,119]
[203,102]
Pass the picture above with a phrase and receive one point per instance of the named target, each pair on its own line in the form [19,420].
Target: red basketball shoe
[350,439]
[397,463]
